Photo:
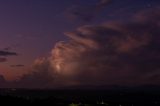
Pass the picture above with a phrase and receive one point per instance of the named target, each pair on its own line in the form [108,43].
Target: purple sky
[30,29]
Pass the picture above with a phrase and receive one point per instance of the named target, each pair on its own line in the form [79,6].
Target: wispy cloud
[18,65]
[7,53]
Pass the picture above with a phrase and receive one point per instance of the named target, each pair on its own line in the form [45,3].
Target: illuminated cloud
[113,53]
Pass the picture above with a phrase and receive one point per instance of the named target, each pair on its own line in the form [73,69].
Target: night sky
[59,43]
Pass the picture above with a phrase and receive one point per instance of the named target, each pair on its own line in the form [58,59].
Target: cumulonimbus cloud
[113,53]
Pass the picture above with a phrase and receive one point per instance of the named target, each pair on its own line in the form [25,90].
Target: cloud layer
[7,53]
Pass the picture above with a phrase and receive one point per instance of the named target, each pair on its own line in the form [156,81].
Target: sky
[57,43]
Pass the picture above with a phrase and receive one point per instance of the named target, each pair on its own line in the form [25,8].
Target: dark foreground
[80,97]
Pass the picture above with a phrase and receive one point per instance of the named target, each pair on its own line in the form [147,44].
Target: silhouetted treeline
[80,98]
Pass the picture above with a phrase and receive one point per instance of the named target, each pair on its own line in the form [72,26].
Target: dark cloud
[7,53]
[41,76]
[2,78]
[3,82]
[86,13]
[18,65]
[103,3]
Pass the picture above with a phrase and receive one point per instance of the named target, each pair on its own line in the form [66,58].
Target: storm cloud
[123,53]
[112,53]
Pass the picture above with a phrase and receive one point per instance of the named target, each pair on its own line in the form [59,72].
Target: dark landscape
[121,97]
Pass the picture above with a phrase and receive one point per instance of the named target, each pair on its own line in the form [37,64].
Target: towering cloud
[120,53]
[112,53]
